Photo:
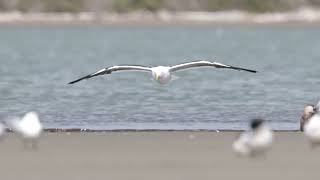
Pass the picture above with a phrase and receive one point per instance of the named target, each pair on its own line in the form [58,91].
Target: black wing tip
[244,69]
[248,70]
[75,81]
[72,82]
[252,71]
[104,71]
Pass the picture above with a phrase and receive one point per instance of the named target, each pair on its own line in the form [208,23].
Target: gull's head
[256,124]
[308,111]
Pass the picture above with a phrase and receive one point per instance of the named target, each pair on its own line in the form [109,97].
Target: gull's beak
[157,76]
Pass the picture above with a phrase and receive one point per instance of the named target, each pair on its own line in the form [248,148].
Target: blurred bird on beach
[312,127]
[256,141]
[308,112]
[29,128]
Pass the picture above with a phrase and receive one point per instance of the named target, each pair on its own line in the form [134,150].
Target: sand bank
[154,155]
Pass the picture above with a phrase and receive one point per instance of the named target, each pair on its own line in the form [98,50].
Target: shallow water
[37,64]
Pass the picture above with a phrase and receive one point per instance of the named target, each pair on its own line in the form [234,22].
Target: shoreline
[300,17]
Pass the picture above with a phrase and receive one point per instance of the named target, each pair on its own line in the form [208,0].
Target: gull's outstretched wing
[112,69]
[207,63]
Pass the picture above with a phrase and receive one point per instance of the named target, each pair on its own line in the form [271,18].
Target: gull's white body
[29,126]
[254,142]
[261,139]
[162,74]
[312,129]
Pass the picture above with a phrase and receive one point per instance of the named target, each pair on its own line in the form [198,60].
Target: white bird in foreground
[312,129]
[256,141]
[162,74]
[29,127]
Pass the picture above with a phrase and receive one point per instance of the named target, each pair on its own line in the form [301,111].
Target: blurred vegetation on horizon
[75,6]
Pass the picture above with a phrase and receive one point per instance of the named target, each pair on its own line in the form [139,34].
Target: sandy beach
[154,155]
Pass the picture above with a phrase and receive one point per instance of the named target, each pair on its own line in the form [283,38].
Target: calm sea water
[37,64]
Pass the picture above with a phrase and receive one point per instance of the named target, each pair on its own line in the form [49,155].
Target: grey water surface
[38,62]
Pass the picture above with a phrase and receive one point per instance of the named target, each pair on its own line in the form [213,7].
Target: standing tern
[256,141]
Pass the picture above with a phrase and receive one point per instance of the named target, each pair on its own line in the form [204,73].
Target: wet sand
[154,155]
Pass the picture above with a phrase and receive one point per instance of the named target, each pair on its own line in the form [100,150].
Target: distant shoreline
[304,16]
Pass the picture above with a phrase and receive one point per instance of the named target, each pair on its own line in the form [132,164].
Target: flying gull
[162,74]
